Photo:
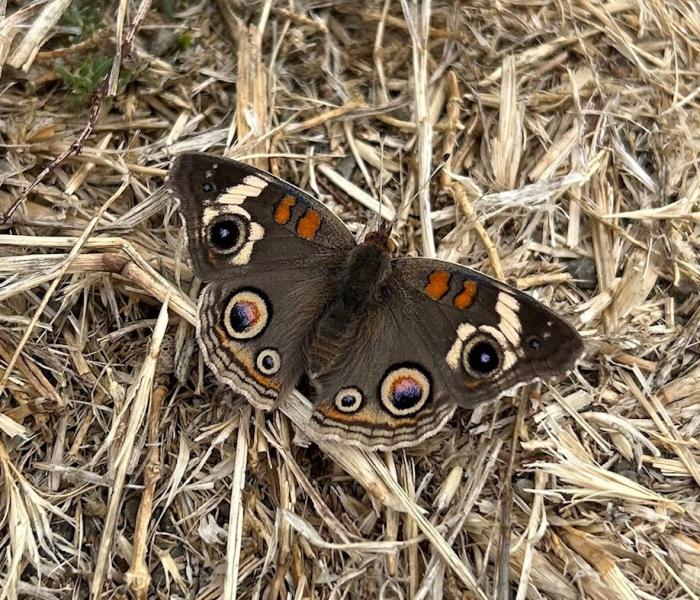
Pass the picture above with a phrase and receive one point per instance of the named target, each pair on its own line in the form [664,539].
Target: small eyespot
[268,361]
[208,187]
[348,400]
[228,234]
[247,313]
[482,357]
[534,342]
[404,389]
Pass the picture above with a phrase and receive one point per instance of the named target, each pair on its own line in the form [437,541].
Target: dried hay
[569,136]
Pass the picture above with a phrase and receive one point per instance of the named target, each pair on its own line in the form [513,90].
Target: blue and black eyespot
[406,394]
[482,356]
[247,312]
[228,233]
[405,389]
[208,187]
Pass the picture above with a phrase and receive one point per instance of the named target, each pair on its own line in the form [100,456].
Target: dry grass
[572,133]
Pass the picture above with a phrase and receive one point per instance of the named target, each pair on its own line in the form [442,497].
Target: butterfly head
[381,239]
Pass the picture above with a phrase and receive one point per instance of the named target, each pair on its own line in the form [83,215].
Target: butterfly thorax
[364,275]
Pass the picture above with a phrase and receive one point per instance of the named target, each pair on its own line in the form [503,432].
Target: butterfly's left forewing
[240,219]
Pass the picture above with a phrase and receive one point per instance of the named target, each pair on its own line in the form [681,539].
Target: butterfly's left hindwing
[253,334]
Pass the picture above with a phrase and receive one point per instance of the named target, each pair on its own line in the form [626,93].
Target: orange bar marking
[308,225]
[438,284]
[283,210]
[465,298]
[357,418]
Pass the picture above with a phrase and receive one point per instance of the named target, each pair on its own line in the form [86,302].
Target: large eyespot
[247,313]
[228,233]
[348,400]
[482,356]
[268,361]
[404,389]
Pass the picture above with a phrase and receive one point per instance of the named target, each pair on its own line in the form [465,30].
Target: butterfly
[385,347]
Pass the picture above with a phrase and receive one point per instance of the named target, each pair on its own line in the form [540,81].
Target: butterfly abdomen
[359,285]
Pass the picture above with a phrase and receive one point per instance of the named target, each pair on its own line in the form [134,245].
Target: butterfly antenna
[440,167]
[383,225]
[437,169]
